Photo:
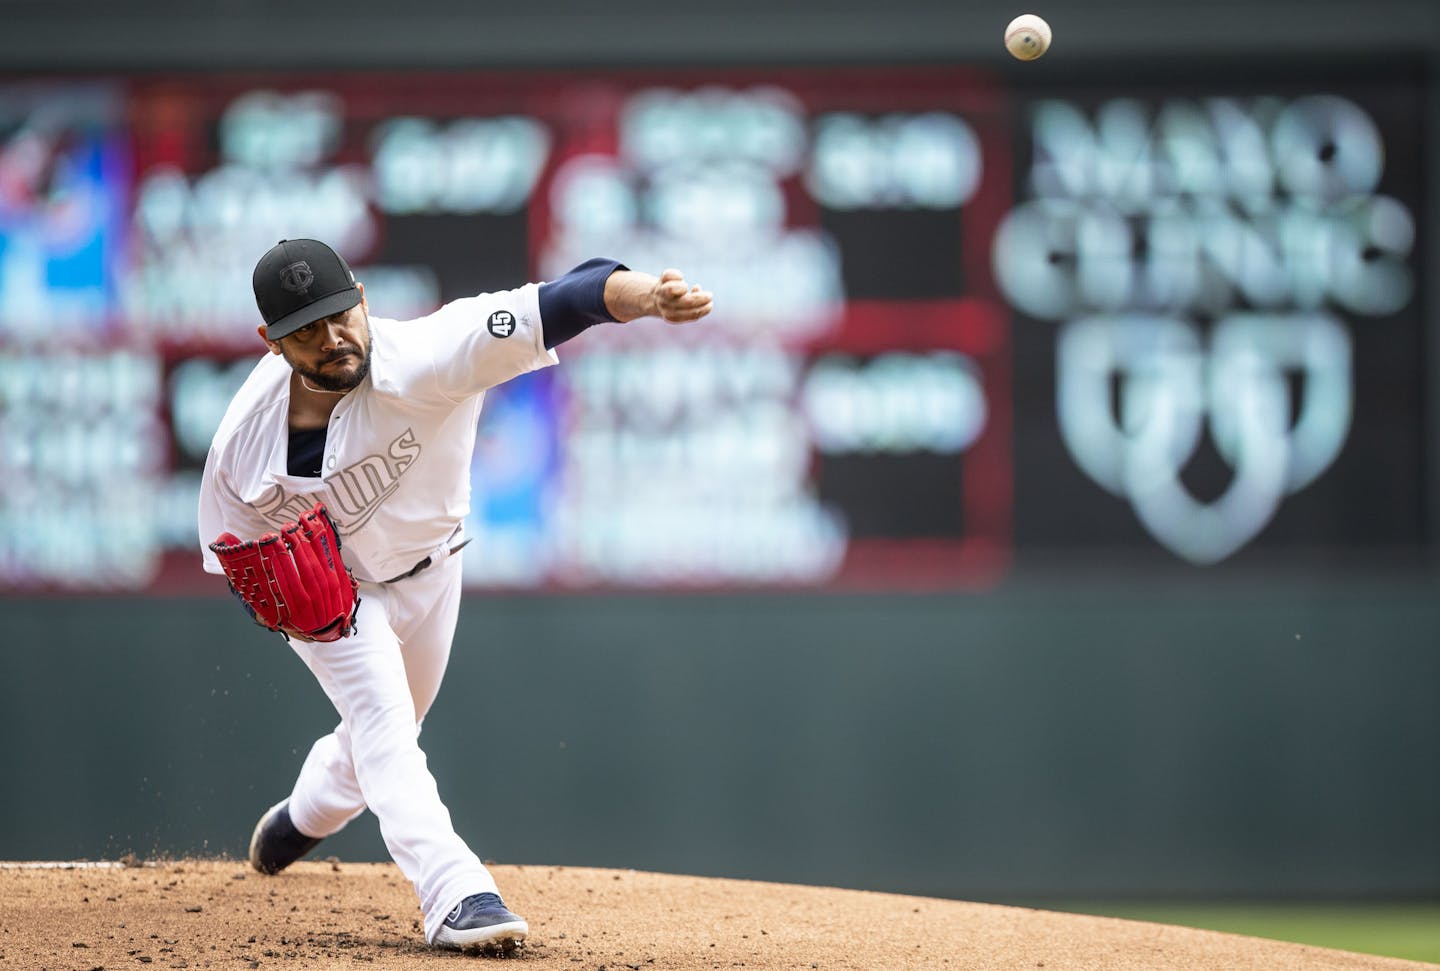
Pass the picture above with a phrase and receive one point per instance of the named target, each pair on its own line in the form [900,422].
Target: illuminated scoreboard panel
[838,420]
[955,325]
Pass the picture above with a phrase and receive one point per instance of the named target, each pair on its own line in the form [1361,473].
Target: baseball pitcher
[333,502]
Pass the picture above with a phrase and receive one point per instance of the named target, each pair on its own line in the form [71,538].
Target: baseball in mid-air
[1027,37]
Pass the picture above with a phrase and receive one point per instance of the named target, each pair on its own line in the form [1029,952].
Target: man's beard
[330,381]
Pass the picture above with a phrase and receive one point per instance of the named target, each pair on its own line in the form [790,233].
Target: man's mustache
[341,353]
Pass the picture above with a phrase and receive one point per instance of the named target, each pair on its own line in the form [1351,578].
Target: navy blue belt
[428,561]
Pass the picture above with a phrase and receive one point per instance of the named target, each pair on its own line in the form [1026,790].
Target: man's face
[333,353]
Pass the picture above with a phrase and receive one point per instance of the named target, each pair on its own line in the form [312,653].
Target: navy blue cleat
[276,843]
[482,920]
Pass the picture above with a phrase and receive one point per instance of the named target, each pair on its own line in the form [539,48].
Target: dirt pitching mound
[221,914]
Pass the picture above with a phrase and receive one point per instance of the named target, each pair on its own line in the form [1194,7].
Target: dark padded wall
[1051,743]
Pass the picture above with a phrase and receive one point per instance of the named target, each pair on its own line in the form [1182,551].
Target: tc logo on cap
[297,277]
[501,323]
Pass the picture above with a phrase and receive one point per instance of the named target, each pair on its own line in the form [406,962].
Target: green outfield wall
[1048,740]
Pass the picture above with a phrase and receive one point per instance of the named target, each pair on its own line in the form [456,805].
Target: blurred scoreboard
[957,323]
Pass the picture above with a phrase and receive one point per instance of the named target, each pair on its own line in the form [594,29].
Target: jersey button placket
[334,419]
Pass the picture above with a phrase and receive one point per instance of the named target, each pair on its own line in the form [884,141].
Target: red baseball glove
[294,580]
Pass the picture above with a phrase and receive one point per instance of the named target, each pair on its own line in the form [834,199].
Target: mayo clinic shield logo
[1262,217]
[297,277]
[1135,393]
[501,323]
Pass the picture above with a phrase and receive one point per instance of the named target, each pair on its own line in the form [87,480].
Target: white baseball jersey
[396,470]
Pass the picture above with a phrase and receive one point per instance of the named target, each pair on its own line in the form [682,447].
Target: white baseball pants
[382,680]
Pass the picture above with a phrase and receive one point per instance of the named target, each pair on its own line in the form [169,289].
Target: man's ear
[273,345]
[363,302]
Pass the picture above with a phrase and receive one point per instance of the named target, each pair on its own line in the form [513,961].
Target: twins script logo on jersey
[351,495]
[297,277]
[501,323]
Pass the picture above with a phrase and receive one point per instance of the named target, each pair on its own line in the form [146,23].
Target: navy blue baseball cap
[298,282]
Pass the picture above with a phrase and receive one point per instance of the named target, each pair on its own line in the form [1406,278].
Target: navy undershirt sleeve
[575,301]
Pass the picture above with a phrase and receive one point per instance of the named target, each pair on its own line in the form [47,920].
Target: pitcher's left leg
[425,609]
[365,678]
